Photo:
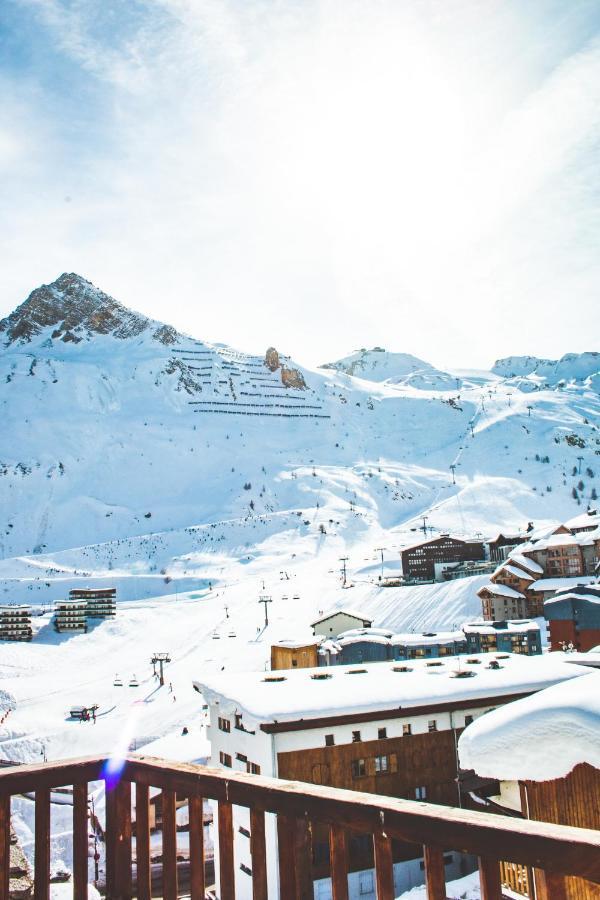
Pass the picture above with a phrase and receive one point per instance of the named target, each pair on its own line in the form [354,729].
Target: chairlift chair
[232,634]
[118,682]
[133,682]
[215,636]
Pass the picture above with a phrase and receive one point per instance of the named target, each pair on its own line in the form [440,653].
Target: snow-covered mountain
[572,367]
[134,452]
[380,365]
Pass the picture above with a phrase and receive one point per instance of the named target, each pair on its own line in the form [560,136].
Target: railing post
[169,845]
[41,868]
[142,842]
[553,886]
[4,845]
[285,850]
[338,854]
[118,841]
[196,835]
[80,841]
[435,876]
[384,866]
[489,878]
[258,851]
[226,863]
[303,860]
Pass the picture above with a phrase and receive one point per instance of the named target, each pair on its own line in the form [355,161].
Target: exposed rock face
[292,378]
[76,310]
[272,359]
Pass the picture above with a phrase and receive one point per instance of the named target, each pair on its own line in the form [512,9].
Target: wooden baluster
[226,863]
[338,852]
[4,845]
[303,860]
[80,841]
[384,868]
[169,845]
[142,842]
[286,840]
[196,818]
[118,841]
[41,871]
[435,877]
[258,849]
[489,878]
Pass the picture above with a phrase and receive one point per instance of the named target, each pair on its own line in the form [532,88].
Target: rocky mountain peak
[76,310]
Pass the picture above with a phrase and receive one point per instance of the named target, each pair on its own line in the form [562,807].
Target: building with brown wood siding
[419,560]
[545,753]
[390,729]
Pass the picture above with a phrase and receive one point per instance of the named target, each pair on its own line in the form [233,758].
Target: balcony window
[432,725]
[355,737]
[381,733]
[225,759]
[381,765]
[329,740]
[406,729]
[421,793]
[224,725]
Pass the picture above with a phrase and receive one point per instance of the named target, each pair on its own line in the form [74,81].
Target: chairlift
[285,597]
[215,636]
[232,634]
[118,682]
[133,682]
[296,597]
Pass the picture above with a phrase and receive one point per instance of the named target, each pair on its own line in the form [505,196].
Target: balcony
[555,851]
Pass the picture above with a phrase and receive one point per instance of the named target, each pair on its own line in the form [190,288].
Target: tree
[574,494]
[594,495]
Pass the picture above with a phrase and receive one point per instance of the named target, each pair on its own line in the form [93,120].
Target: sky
[318,175]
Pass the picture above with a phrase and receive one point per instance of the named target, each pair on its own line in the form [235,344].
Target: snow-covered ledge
[539,738]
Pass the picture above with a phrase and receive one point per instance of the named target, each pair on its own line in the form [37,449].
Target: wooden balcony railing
[555,851]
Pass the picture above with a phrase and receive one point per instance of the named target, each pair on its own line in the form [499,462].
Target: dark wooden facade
[418,561]
[573,800]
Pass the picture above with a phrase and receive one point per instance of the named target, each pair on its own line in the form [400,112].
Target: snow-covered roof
[358,638]
[191,747]
[352,613]
[525,563]
[555,584]
[503,590]
[417,640]
[316,693]
[513,570]
[588,519]
[297,645]
[581,539]
[514,626]
[538,738]
[574,594]
[366,632]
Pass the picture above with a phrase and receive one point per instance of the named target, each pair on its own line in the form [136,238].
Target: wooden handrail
[558,850]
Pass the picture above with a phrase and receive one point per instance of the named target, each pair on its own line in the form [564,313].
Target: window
[224,725]
[421,793]
[406,729]
[381,733]
[432,725]
[242,757]
[365,883]
[225,759]
[381,765]
[294,663]
[252,768]
[359,768]
[468,720]
[329,740]
[355,737]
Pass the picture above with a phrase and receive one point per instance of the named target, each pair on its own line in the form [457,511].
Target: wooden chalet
[554,776]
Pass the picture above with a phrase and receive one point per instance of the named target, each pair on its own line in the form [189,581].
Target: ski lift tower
[266,599]
[159,659]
